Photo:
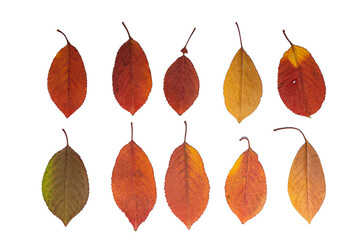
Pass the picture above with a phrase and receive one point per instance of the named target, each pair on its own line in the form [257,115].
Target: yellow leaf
[242,87]
[306,182]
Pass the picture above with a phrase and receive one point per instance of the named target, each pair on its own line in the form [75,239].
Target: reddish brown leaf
[186,184]
[300,81]
[67,82]
[246,187]
[306,183]
[132,81]
[181,83]
[133,183]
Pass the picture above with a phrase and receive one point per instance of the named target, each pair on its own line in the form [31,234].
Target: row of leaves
[65,184]
[301,87]
[300,82]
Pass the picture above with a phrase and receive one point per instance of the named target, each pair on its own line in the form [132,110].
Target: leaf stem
[131,130]
[64,36]
[184,50]
[126,30]
[292,128]
[284,33]
[239,33]
[249,145]
[66,136]
[185,134]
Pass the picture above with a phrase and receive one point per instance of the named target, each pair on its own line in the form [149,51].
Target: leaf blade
[300,82]
[133,184]
[65,184]
[307,179]
[242,87]
[132,80]
[181,85]
[186,184]
[246,187]
[67,82]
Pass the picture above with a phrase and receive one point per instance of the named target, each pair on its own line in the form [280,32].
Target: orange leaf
[300,81]
[67,79]
[306,183]
[246,187]
[133,183]
[181,83]
[132,81]
[186,184]
[242,87]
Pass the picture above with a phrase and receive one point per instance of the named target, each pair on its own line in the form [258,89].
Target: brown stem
[249,145]
[239,33]
[63,35]
[126,30]
[184,50]
[185,134]
[66,136]
[284,33]
[292,128]
[131,130]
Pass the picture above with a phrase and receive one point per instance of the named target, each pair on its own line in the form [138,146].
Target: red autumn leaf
[67,82]
[132,81]
[246,187]
[300,81]
[186,184]
[133,183]
[181,83]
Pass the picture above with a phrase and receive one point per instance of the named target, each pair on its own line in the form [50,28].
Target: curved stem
[239,33]
[131,130]
[66,136]
[184,50]
[284,33]
[292,128]
[249,145]
[185,134]
[126,30]
[63,35]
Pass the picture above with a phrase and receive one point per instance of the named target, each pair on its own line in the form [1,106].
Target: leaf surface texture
[246,187]
[67,82]
[242,87]
[133,184]
[306,182]
[181,83]
[132,80]
[186,184]
[65,184]
[300,82]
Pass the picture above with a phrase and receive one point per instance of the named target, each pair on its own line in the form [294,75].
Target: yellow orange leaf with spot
[306,183]
[300,81]
[242,87]
[246,187]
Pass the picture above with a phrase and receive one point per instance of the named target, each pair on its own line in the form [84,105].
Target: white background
[30,130]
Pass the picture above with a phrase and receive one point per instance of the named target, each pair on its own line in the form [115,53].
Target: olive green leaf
[65,184]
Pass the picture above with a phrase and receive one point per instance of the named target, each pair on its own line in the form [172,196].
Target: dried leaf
[246,187]
[133,183]
[306,183]
[132,81]
[67,82]
[186,184]
[300,81]
[65,184]
[181,83]
[242,87]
